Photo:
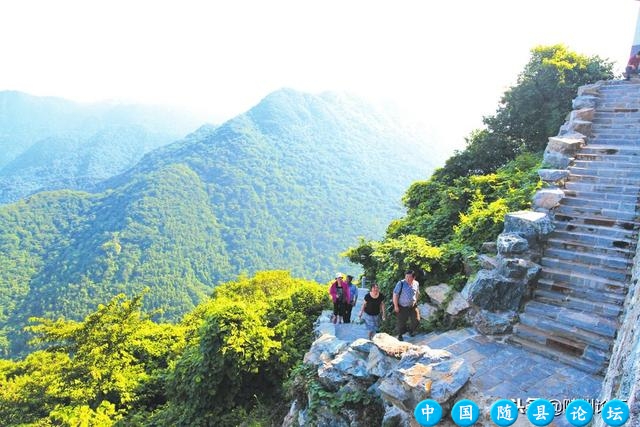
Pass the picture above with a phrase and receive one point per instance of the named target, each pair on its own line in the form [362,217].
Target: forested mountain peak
[288,185]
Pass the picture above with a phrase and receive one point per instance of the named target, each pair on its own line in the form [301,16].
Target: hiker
[339,291]
[632,66]
[373,307]
[353,298]
[405,300]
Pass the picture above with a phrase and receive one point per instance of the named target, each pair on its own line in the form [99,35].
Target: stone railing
[561,149]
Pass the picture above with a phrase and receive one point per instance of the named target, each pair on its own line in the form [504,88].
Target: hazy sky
[446,62]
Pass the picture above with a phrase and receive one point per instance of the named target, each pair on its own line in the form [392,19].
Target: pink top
[345,290]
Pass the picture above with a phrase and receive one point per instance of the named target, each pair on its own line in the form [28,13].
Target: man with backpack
[405,301]
[339,291]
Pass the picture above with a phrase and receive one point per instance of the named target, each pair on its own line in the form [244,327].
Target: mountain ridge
[49,143]
[288,185]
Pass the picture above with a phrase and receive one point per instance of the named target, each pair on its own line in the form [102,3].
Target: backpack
[339,293]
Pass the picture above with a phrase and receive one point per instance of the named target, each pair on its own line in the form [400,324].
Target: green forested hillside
[288,185]
[51,143]
[69,251]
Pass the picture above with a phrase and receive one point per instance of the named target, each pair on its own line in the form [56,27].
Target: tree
[535,108]
[245,340]
[529,112]
[92,372]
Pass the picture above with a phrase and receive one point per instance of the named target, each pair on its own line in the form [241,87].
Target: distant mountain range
[289,184]
[51,143]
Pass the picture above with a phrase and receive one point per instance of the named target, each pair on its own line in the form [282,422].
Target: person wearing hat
[339,291]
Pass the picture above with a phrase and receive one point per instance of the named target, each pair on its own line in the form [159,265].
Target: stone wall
[622,379]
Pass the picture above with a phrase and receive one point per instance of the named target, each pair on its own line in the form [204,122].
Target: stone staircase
[587,260]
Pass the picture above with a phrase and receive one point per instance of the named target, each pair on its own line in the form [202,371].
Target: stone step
[624,101]
[602,165]
[617,85]
[601,121]
[610,180]
[610,150]
[629,141]
[581,292]
[623,104]
[588,248]
[622,112]
[604,204]
[603,157]
[595,212]
[566,339]
[631,190]
[597,220]
[610,228]
[593,240]
[612,125]
[618,102]
[595,195]
[577,280]
[598,175]
[593,303]
[577,266]
[529,340]
[612,261]
[619,262]
[586,327]
[616,111]
[607,135]
[564,342]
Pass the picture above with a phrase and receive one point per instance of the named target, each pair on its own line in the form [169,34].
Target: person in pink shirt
[632,66]
[339,291]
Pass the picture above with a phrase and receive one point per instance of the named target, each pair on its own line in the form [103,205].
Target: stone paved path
[501,369]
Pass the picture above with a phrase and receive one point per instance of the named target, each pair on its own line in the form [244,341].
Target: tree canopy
[224,363]
[529,112]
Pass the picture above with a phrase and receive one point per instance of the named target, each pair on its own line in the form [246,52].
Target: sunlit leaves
[246,338]
[91,372]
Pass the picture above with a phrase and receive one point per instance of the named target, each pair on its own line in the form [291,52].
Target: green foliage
[529,112]
[65,252]
[511,188]
[189,217]
[246,340]
[224,365]
[486,150]
[92,372]
[535,108]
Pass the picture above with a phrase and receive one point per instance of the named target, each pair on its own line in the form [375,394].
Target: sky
[442,63]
